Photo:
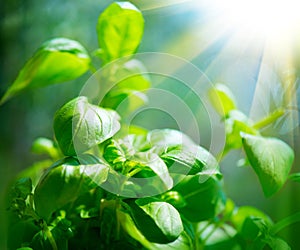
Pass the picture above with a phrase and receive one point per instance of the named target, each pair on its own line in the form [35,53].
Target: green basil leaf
[219,237]
[174,198]
[118,151]
[271,159]
[22,188]
[63,182]
[132,75]
[222,99]
[163,140]
[125,101]
[242,213]
[57,60]
[277,244]
[252,227]
[137,141]
[295,177]
[128,93]
[130,228]
[158,221]
[120,29]
[192,160]
[157,165]
[236,123]
[20,232]
[203,200]
[183,242]
[44,145]
[79,125]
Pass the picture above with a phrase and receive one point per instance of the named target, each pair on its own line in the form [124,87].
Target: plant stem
[269,119]
[285,222]
[49,235]
[133,172]
[117,207]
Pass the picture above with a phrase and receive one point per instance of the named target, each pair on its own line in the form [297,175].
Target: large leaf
[192,160]
[203,201]
[64,182]
[57,60]
[222,99]
[130,228]
[120,29]
[159,221]
[271,159]
[79,125]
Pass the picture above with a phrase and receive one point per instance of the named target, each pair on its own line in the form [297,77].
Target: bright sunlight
[265,19]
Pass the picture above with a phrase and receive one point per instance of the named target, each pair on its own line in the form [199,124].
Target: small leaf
[192,160]
[162,140]
[295,177]
[120,29]
[253,227]
[236,123]
[57,60]
[255,233]
[132,75]
[129,85]
[277,244]
[222,99]
[157,165]
[174,198]
[44,145]
[22,188]
[118,151]
[271,159]
[159,221]
[124,101]
[240,214]
[79,125]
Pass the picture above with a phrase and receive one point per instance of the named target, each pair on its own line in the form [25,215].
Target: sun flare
[263,19]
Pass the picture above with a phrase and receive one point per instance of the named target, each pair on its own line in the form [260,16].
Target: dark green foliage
[140,190]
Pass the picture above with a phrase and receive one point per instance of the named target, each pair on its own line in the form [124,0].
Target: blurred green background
[182,29]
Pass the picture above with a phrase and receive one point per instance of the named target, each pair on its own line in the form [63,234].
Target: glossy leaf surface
[57,60]
[271,159]
[120,29]
[158,221]
[64,182]
[79,125]
[222,99]
[203,200]
[192,160]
